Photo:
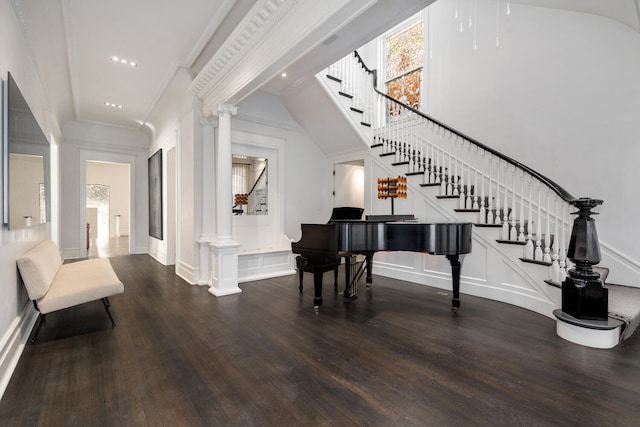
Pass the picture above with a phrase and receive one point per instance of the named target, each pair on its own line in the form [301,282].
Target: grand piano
[323,244]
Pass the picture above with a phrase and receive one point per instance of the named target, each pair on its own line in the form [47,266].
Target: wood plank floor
[396,356]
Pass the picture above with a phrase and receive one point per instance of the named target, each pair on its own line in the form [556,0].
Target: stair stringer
[492,270]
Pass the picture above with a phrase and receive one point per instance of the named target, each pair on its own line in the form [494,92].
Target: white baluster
[454,178]
[490,199]
[449,177]
[496,218]
[505,206]
[432,171]
[547,238]
[555,266]
[521,236]
[461,199]
[443,180]
[513,231]
[467,199]
[528,247]
[476,190]
[563,248]
[482,215]
[538,253]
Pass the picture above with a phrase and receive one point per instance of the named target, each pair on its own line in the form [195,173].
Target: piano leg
[455,276]
[317,285]
[369,261]
[351,283]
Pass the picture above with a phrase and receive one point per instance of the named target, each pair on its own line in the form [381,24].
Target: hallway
[107,248]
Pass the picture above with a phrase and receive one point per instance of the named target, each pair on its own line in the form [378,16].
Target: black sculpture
[583,293]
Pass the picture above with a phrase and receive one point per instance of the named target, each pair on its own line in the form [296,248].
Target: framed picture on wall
[155,195]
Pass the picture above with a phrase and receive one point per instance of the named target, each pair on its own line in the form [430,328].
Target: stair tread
[535,261]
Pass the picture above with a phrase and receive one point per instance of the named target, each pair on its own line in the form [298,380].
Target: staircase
[522,218]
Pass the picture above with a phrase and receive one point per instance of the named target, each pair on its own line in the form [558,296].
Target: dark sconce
[583,293]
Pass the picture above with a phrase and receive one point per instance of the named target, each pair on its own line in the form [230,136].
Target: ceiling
[626,12]
[73,41]
[76,39]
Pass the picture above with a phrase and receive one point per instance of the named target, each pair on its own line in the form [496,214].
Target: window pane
[404,51]
[406,88]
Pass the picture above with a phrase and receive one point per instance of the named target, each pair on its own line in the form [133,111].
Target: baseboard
[265,265]
[159,254]
[478,287]
[13,344]
[187,272]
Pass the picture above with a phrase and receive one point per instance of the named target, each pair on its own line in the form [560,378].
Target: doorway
[107,209]
[348,186]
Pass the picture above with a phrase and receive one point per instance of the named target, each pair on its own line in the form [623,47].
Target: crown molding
[260,17]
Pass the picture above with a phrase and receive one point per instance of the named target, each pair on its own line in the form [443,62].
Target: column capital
[227,109]
[209,121]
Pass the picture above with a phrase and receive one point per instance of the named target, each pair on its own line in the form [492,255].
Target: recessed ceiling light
[115,58]
[112,105]
[283,74]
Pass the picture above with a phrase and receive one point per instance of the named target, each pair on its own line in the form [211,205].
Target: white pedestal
[588,333]
[224,268]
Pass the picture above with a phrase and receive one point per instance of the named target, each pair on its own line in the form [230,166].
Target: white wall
[16,313]
[187,262]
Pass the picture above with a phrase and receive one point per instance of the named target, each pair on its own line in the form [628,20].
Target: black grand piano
[325,244]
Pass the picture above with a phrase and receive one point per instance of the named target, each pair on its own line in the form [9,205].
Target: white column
[223,174]
[224,250]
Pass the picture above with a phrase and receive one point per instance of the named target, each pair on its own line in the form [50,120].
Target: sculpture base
[585,298]
[593,333]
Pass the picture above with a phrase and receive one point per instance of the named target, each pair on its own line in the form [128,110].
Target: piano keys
[348,238]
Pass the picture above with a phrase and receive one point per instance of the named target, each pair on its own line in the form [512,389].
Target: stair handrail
[257,180]
[561,192]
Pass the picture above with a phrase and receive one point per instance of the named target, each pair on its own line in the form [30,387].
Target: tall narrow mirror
[249,185]
[26,164]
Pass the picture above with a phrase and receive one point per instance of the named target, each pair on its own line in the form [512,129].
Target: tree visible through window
[404,64]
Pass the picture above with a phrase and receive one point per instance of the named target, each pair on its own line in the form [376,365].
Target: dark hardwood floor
[396,356]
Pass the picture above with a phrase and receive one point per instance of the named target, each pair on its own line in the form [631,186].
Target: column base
[224,268]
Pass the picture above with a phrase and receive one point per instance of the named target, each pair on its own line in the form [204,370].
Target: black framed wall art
[155,195]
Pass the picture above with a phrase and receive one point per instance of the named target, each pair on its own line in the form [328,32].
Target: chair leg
[36,329]
[106,307]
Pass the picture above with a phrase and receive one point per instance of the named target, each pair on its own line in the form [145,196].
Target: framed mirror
[249,185]
[26,162]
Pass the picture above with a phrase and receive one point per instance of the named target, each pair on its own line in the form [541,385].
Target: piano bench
[303,264]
